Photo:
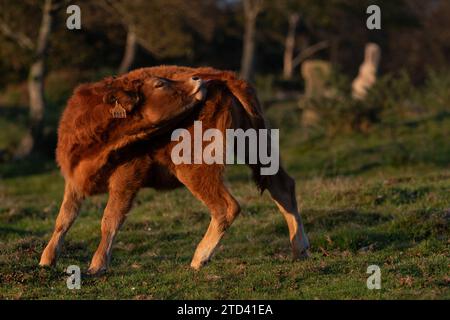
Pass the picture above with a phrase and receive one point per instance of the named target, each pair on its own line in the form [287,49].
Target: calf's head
[165,98]
[155,99]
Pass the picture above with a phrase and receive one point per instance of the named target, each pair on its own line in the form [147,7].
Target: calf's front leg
[113,217]
[123,187]
[67,215]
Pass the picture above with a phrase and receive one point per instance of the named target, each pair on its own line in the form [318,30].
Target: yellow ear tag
[118,111]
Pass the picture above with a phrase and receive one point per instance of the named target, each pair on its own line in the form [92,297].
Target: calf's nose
[199,90]
[197,84]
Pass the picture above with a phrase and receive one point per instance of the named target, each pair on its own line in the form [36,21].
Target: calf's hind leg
[67,215]
[282,191]
[209,188]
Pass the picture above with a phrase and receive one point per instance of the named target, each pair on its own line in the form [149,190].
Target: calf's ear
[125,97]
[118,111]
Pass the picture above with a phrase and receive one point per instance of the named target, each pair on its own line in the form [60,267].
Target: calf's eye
[159,84]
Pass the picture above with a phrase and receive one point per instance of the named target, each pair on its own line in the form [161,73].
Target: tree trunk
[36,85]
[289,46]
[307,52]
[252,8]
[130,51]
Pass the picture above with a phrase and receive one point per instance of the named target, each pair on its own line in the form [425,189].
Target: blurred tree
[165,28]
[424,42]
[289,46]
[252,9]
[140,33]
[121,10]
[340,27]
[292,15]
[14,27]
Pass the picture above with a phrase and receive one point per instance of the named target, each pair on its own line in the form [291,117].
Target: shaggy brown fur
[145,161]
[89,137]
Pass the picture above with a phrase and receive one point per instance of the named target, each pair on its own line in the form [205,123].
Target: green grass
[381,198]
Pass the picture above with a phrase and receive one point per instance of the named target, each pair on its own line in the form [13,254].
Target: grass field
[381,198]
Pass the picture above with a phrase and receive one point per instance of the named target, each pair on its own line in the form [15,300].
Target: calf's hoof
[300,248]
[303,255]
[47,261]
[197,265]
[96,272]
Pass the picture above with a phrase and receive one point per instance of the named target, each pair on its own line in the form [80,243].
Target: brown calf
[98,153]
